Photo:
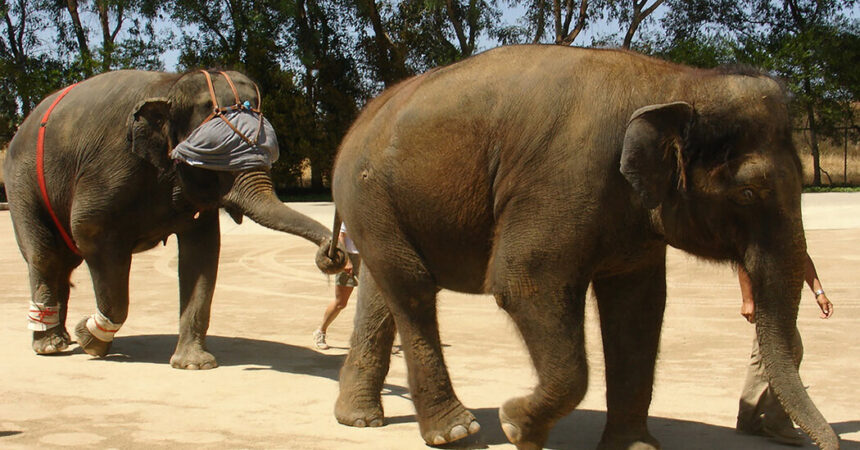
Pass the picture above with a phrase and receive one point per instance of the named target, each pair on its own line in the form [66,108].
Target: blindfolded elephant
[117,163]
[530,172]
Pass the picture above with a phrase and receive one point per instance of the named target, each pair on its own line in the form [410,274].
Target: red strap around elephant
[40,172]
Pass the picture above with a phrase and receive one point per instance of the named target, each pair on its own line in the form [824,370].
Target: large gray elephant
[530,172]
[105,183]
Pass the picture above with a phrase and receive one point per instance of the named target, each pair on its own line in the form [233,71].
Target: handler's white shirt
[347,242]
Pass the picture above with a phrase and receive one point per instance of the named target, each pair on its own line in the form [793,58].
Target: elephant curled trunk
[776,287]
[252,193]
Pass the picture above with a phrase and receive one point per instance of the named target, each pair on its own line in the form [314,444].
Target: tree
[567,19]
[385,54]
[127,35]
[811,44]
[331,79]
[299,53]
[411,36]
[632,14]
[539,12]
[27,73]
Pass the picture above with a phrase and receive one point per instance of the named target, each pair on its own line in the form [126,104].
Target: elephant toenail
[458,432]
[439,440]
[360,423]
[376,423]
[474,427]
[192,367]
[512,432]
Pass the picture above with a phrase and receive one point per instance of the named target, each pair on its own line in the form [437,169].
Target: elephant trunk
[777,283]
[252,193]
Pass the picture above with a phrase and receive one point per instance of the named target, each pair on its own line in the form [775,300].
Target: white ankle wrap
[42,317]
[101,327]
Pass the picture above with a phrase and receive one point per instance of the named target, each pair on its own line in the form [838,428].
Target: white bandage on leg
[42,317]
[101,327]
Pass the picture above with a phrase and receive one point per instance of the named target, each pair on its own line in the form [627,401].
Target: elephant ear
[652,146]
[148,131]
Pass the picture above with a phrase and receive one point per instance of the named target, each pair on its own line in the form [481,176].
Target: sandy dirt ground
[273,390]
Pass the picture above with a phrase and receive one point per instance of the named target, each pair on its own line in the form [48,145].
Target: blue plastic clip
[247,104]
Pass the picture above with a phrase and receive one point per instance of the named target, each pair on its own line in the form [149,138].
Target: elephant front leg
[199,249]
[631,314]
[550,319]
[361,378]
[109,270]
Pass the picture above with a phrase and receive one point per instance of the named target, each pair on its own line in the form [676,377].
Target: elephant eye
[746,196]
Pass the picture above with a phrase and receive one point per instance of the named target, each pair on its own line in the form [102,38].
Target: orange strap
[218,111]
[40,172]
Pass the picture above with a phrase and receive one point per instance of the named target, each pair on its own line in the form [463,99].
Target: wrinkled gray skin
[117,199]
[530,172]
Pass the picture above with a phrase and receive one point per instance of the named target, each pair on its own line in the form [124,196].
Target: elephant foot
[356,413]
[91,344]
[194,358]
[51,341]
[629,440]
[449,427]
[519,427]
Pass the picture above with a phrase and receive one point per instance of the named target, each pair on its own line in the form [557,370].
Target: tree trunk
[16,48]
[108,35]
[391,65]
[813,135]
[316,176]
[563,36]
[80,33]
[638,16]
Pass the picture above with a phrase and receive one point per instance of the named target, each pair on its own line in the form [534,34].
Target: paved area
[274,391]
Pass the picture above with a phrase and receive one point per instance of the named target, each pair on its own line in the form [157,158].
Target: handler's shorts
[345,279]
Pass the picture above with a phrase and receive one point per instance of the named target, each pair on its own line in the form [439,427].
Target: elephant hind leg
[409,292]
[359,403]
[49,272]
[50,297]
[550,320]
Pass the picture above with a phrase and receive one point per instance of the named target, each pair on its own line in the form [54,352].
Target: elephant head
[723,181]
[158,124]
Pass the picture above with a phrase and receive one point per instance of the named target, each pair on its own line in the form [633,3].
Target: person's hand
[825,305]
[348,267]
[748,311]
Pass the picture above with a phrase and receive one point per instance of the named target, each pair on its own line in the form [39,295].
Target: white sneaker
[319,340]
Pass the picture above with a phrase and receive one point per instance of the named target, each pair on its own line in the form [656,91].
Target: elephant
[531,172]
[97,179]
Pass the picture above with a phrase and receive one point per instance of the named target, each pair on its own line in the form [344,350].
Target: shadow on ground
[582,429]
[579,430]
[230,351]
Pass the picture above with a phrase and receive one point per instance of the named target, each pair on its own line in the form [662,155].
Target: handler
[345,282]
[760,412]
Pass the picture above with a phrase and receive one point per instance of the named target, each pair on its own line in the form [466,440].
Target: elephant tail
[331,259]
[335,232]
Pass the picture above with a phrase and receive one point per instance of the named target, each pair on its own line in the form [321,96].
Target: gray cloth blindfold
[215,145]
